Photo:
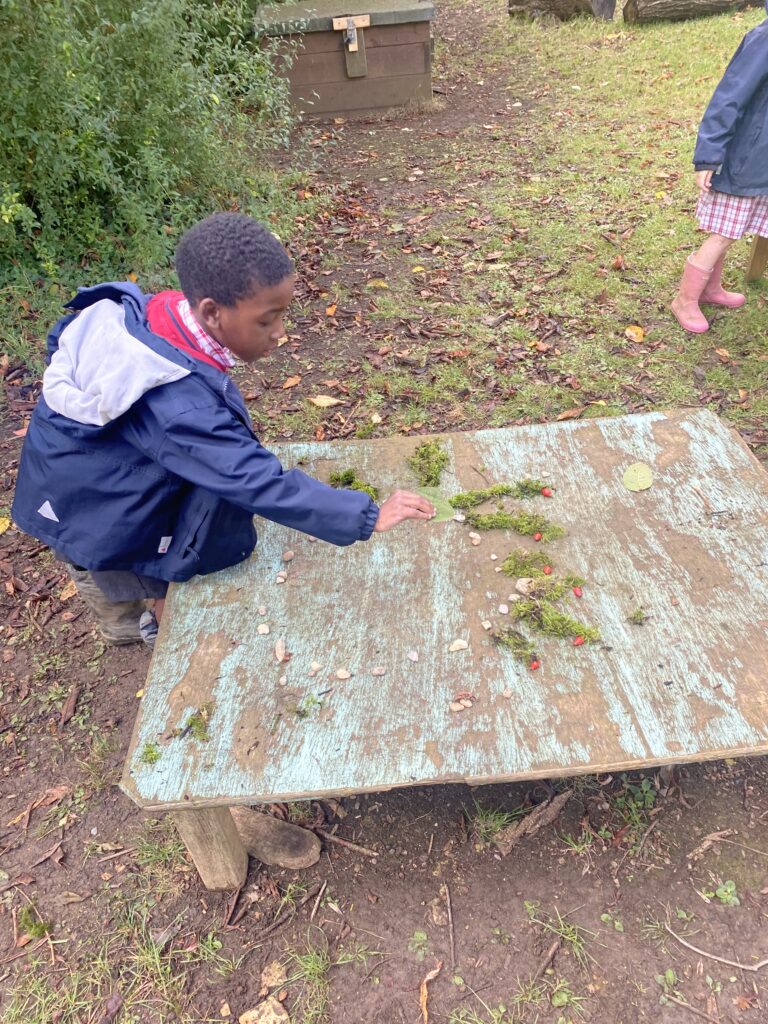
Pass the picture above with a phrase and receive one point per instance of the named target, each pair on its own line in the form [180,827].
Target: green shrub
[122,123]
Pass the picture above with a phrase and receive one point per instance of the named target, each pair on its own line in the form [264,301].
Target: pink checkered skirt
[732,216]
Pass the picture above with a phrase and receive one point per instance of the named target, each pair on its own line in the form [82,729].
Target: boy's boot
[118,621]
[716,295]
[686,302]
[279,843]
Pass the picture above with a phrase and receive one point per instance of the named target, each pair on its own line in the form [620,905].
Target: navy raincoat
[139,457]
[733,135]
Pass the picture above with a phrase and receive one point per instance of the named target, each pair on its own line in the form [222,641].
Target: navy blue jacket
[733,135]
[139,457]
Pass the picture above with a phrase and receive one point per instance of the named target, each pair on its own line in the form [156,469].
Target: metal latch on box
[354,43]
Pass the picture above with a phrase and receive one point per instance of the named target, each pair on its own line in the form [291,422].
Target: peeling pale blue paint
[701,577]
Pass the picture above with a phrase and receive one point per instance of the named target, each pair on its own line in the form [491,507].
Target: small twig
[317,901]
[720,959]
[118,853]
[484,477]
[345,842]
[687,1006]
[376,966]
[23,952]
[451,935]
[551,954]
[288,914]
[431,843]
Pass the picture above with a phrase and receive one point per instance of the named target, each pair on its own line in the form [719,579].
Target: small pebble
[498,569]
[312,540]
[524,585]
[262,629]
[262,610]
[456,705]
[475,538]
[458,645]
[315,666]
[503,609]
[486,624]
[413,655]
[283,680]
[514,597]
[506,693]
[280,579]
[459,518]
[465,703]
[288,555]
[378,671]
[342,673]
[494,558]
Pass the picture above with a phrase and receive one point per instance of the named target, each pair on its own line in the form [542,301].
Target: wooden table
[758,258]
[689,685]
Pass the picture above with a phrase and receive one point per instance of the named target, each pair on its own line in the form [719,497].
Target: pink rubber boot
[686,303]
[716,295]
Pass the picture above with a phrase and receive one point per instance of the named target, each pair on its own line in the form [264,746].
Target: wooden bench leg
[758,258]
[215,846]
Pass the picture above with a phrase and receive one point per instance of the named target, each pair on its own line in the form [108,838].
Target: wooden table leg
[758,258]
[215,846]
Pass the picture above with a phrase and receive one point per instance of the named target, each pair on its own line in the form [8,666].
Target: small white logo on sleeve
[165,543]
[47,512]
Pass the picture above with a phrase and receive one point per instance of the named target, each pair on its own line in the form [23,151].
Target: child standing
[140,465]
[731,163]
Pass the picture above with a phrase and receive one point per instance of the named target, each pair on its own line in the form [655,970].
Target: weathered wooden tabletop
[689,685]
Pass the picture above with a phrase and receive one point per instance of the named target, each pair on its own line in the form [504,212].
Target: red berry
[577,591]
[535,665]
[547,570]
[578,641]
[537,536]
[547,492]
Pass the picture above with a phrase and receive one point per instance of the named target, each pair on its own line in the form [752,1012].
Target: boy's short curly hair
[228,257]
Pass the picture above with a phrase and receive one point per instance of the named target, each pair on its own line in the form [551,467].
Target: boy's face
[251,328]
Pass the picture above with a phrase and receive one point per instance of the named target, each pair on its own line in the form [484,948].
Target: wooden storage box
[363,55]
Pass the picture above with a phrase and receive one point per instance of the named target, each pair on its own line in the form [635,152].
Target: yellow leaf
[330,310]
[5,522]
[634,333]
[139,694]
[68,592]
[325,401]
[377,283]
[133,277]
[291,382]
[418,269]
[638,477]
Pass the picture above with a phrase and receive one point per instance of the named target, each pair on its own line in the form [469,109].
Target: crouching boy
[140,465]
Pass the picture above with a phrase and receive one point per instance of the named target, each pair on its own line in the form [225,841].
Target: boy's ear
[208,312]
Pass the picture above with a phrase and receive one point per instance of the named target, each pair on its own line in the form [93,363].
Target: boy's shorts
[122,585]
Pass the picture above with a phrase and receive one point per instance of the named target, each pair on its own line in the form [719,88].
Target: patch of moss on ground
[197,724]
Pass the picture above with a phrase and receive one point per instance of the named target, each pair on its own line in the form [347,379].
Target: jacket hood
[100,370]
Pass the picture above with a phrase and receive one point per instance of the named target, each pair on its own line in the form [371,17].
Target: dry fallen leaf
[634,333]
[325,401]
[330,310]
[5,522]
[273,975]
[424,992]
[572,414]
[724,354]
[291,382]
[68,592]
[377,283]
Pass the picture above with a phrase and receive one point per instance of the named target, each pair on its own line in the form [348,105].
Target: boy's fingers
[416,501]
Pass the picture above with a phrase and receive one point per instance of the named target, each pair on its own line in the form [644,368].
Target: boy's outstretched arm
[213,450]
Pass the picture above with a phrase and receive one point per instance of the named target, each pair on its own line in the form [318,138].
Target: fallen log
[636,11]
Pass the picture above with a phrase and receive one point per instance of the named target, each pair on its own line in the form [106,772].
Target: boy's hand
[403,505]
[704,180]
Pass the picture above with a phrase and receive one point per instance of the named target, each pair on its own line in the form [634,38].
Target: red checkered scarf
[169,315]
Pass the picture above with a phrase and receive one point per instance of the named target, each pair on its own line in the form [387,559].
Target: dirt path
[404,316]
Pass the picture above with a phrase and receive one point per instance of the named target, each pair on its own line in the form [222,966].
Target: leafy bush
[123,122]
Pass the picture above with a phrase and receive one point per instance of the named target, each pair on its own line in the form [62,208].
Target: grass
[573,936]
[309,971]
[485,823]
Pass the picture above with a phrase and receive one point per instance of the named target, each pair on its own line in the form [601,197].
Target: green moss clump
[525,523]
[639,617]
[428,462]
[347,479]
[542,616]
[528,564]
[528,488]
[520,646]
[471,499]
[30,923]
[198,723]
[150,754]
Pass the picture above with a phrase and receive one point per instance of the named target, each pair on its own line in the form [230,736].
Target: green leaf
[559,998]
[444,510]
[638,477]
